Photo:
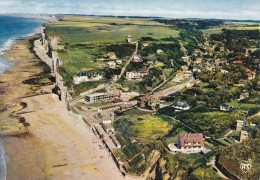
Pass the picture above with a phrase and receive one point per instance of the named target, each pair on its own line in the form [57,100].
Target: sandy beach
[59,144]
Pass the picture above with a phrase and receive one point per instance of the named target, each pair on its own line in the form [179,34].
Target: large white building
[85,78]
[91,98]
[134,75]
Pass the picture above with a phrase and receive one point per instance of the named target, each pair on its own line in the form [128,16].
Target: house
[238,62]
[217,62]
[91,98]
[118,61]
[198,60]
[196,68]
[222,48]
[133,75]
[181,105]
[243,95]
[85,77]
[242,82]
[250,74]
[163,77]
[112,64]
[186,59]
[240,125]
[159,51]
[145,71]
[224,107]
[111,55]
[129,38]
[117,100]
[137,58]
[184,68]
[148,101]
[224,71]
[179,73]
[188,143]
[126,107]
[145,44]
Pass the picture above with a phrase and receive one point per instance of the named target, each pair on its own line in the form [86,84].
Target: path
[213,163]
[127,63]
[173,89]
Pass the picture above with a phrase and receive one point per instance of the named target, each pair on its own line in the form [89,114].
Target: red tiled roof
[191,140]
[238,62]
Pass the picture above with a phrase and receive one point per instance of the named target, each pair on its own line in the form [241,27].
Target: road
[173,89]
[127,63]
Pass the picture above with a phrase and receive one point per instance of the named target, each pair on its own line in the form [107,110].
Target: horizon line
[130,16]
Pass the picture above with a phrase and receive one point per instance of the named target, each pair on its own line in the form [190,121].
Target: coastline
[59,145]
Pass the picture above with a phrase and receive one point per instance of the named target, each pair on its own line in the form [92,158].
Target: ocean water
[12,28]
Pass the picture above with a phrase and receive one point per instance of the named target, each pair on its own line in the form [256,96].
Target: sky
[220,9]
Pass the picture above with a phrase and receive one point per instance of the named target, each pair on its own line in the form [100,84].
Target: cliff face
[159,171]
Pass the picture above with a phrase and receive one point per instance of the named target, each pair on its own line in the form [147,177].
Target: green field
[102,30]
[81,59]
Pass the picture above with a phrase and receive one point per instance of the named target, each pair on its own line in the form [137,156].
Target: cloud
[225,9]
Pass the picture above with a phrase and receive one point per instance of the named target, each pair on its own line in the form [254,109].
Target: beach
[57,144]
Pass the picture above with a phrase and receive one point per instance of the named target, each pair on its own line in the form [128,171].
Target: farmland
[96,30]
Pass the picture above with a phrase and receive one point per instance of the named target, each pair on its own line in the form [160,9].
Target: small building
[217,62]
[126,107]
[242,82]
[133,75]
[117,100]
[250,74]
[118,61]
[85,77]
[145,71]
[224,107]
[196,68]
[181,105]
[145,44]
[163,77]
[186,59]
[188,143]
[111,55]
[159,51]
[243,95]
[112,64]
[238,62]
[148,101]
[129,38]
[137,58]
[224,71]
[240,125]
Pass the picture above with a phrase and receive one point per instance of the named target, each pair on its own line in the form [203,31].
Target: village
[108,103]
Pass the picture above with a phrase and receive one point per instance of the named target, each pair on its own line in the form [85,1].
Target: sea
[12,28]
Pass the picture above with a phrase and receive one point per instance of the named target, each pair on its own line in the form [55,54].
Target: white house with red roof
[188,143]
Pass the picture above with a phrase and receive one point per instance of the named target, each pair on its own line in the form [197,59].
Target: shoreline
[59,144]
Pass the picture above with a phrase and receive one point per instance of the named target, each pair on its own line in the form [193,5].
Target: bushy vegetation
[237,40]
[188,24]
[232,156]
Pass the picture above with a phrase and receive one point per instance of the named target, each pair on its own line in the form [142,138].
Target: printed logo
[246,166]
